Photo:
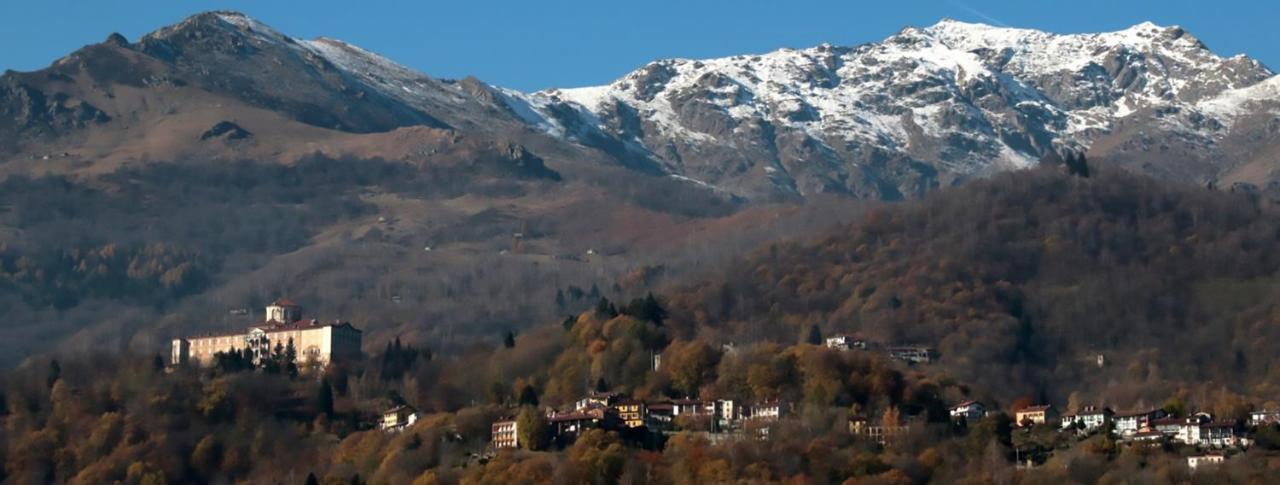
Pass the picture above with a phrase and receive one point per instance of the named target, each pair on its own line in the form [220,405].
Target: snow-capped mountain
[924,107]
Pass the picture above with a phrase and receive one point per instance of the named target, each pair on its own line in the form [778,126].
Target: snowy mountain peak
[951,100]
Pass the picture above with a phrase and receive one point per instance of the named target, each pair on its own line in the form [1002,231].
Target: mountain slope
[923,108]
[1022,281]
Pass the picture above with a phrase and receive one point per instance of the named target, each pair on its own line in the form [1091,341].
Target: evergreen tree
[814,336]
[55,373]
[605,309]
[290,363]
[528,396]
[324,398]
[509,340]
[312,480]
[601,385]
[157,363]
[560,299]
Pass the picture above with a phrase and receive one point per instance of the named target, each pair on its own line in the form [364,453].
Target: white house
[1090,418]
[769,410]
[1264,417]
[845,342]
[968,411]
[1130,423]
[1195,462]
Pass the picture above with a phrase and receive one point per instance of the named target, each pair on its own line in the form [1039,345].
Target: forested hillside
[1112,288]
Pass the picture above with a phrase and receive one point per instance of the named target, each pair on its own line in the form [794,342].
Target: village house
[659,414]
[567,426]
[631,412]
[597,399]
[1168,426]
[398,418]
[1033,415]
[1147,435]
[914,354]
[881,434]
[504,433]
[968,411]
[1089,418]
[771,410]
[1263,417]
[1217,435]
[688,407]
[1195,462]
[726,412]
[1130,423]
[845,342]
[316,343]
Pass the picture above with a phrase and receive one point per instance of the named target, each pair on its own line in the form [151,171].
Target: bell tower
[284,311]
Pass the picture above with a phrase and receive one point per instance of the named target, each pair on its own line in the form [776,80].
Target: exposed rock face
[226,130]
[925,107]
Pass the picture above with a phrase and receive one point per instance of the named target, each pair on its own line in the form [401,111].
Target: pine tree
[814,336]
[312,480]
[55,373]
[601,385]
[324,398]
[290,364]
[509,340]
[528,396]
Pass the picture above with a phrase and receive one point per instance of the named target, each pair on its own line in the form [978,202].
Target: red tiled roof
[966,403]
[1032,409]
[270,327]
[286,303]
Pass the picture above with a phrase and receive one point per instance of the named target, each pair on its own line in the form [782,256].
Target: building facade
[504,433]
[398,418]
[1089,418]
[1033,415]
[968,411]
[315,342]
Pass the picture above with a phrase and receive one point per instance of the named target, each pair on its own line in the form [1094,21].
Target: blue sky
[531,44]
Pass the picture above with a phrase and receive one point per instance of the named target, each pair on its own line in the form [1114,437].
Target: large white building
[315,342]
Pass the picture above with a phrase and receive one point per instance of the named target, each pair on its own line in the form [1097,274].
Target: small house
[399,418]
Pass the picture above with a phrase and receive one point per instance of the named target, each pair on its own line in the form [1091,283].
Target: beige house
[316,343]
[1033,415]
[504,433]
[398,418]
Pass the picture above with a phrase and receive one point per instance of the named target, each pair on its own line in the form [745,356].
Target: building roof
[270,327]
[285,302]
[1089,411]
[1136,414]
[400,408]
[577,415]
[1033,409]
[966,403]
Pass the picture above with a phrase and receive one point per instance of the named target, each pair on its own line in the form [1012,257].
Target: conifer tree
[814,335]
[324,398]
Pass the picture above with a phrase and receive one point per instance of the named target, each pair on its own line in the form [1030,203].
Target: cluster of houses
[1153,425]
[619,412]
[915,354]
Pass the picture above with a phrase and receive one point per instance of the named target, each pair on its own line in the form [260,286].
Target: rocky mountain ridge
[926,107]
